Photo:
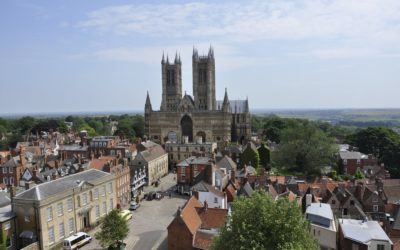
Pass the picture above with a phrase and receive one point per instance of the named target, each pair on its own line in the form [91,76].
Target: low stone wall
[33,246]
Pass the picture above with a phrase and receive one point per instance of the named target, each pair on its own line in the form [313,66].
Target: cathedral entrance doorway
[187,127]
[202,134]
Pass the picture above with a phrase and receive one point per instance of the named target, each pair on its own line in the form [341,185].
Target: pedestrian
[170,195]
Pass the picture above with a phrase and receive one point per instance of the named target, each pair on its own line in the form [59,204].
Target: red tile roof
[189,214]
[212,217]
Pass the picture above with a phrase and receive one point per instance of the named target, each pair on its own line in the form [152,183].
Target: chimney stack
[22,155]
[12,191]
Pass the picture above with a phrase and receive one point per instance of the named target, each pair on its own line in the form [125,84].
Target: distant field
[347,117]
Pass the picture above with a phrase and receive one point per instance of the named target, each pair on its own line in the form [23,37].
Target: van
[77,240]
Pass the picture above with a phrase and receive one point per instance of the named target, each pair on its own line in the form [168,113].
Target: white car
[134,205]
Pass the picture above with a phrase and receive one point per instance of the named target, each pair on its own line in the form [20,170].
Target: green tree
[26,123]
[359,175]
[259,222]
[250,156]
[304,148]
[383,143]
[113,230]
[125,129]
[90,130]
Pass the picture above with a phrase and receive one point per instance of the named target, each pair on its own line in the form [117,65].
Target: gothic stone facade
[185,118]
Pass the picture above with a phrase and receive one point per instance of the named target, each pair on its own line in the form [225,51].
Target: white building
[323,226]
[207,193]
[363,234]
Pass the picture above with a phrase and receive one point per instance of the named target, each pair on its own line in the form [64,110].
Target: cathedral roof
[237,106]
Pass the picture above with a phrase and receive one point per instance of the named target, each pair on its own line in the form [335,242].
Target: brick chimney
[22,158]
[29,185]
[12,191]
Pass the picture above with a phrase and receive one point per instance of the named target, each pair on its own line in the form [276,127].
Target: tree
[250,156]
[383,143]
[304,148]
[258,222]
[113,230]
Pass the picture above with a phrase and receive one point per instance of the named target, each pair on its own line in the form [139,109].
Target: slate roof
[363,232]
[6,213]
[392,194]
[48,189]
[204,187]
[227,163]
[246,190]
[152,153]
[13,162]
[4,199]
[348,155]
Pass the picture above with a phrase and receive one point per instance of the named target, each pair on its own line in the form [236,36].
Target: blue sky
[69,56]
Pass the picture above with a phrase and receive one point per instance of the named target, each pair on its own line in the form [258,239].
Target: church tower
[171,83]
[204,80]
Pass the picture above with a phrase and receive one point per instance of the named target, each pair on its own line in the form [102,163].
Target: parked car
[126,214]
[134,205]
[150,196]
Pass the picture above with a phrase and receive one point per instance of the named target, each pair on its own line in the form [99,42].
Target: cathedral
[197,118]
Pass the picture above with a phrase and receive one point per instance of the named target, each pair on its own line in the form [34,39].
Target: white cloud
[251,20]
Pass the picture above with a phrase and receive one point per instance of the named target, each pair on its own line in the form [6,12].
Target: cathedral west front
[201,118]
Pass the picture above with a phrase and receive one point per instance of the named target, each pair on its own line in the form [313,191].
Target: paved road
[148,227]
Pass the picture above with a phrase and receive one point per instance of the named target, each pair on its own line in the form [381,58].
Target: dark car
[150,196]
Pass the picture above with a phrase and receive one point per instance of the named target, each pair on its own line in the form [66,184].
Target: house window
[354,246]
[84,199]
[111,204]
[69,204]
[380,247]
[97,211]
[27,218]
[352,202]
[375,208]
[51,235]
[49,213]
[345,162]
[104,207]
[103,190]
[215,200]
[4,170]
[96,193]
[358,161]
[61,230]
[71,225]
[109,187]
[5,180]
[60,209]
[11,170]
[333,202]
[11,180]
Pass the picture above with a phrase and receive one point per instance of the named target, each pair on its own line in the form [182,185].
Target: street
[148,226]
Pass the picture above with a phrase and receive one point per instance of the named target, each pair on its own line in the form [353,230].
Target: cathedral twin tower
[203,82]
[183,119]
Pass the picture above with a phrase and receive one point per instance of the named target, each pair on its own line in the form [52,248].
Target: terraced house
[52,211]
